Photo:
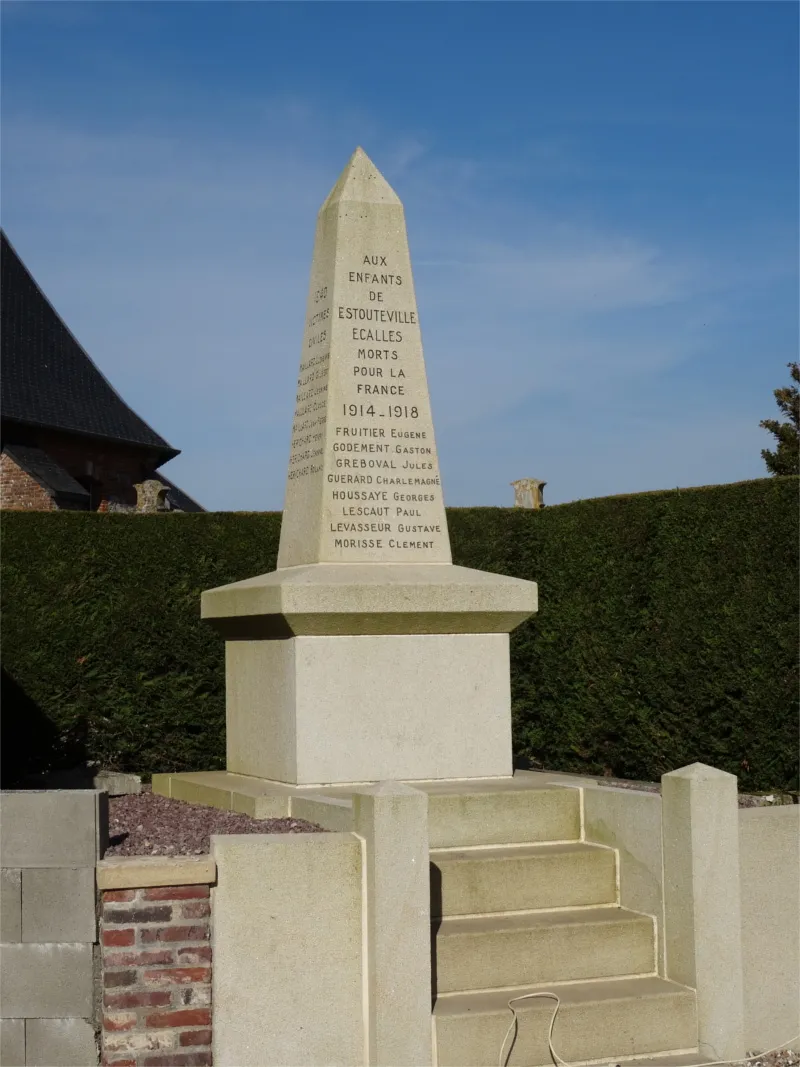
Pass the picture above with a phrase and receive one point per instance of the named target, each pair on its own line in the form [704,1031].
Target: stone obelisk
[363,483]
[366,655]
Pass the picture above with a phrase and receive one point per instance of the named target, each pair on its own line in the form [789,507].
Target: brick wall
[20,492]
[156,977]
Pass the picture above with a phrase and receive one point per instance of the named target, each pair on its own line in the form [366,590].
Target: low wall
[321,942]
[769,858]
[630,822]
[724,885]
[51,842]
[156,961]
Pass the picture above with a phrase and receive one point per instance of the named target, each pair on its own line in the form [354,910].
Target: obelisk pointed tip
[361,181]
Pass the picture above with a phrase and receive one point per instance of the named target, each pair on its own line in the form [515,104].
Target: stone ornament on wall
[528,493]
[151,496]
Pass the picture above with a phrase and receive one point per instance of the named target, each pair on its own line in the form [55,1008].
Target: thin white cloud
[181,260]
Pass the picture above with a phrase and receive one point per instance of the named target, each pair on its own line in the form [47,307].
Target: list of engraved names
[384,476]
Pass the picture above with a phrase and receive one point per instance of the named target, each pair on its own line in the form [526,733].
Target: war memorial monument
[368,691]
[366,655]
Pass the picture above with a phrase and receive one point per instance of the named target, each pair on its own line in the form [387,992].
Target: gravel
[746,800]
[784,1058]
[145,824]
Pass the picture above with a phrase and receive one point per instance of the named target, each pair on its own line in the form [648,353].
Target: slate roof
[178,500]
[47,378]
[52,478]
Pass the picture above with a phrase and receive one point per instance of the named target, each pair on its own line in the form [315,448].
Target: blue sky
[602,204]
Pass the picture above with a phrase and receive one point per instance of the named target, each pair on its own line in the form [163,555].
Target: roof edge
[166,450]
[166,445]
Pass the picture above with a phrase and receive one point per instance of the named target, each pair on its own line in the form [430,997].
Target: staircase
[520,904]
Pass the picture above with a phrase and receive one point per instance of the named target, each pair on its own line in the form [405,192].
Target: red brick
[19,491]
[195,909]
[195,954]
[177,976]
[196,1037]
[109,1062]
[188,1017]
[136,1000]
[176,892]
[115,1023]
[118,938]
[161,914]
[187,1059]
[138,959]
[174,933]
[118,896]
[112,979]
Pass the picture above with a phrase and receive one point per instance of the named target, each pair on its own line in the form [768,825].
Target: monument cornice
[328,599]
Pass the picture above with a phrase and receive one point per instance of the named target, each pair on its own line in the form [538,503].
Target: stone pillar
[702,901]
[393,821]
[528,493]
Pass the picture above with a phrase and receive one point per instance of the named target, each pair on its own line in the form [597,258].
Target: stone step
[607,1020]
[503,817]
[521,878]
[496,951]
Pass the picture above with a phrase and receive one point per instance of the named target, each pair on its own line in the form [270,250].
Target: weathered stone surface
[60,1043]
[12,1042]
[117,784]
[126,872]
[151,496]
[58,904]
[644,1015]
[49,828]
[10,905]
[529,493]
[46,981]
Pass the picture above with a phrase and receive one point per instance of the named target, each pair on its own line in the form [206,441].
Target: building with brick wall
[69,440]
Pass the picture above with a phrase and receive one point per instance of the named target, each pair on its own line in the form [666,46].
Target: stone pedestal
[341,674]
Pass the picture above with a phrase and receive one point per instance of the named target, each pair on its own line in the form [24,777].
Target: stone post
[702,911]
[393,821]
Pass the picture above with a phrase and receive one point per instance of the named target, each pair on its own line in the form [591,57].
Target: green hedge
[668,632]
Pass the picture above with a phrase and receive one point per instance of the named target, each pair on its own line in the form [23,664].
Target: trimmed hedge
[668,632]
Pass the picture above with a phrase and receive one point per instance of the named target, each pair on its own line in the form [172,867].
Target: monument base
[327,710]
[347,673]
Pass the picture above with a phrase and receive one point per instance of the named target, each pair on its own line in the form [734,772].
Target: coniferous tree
[786,457]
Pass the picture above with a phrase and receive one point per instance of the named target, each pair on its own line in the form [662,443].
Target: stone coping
[137,872]
[329,599]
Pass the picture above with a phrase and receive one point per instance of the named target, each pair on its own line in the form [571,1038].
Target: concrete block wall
[156,962]
[50,842]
